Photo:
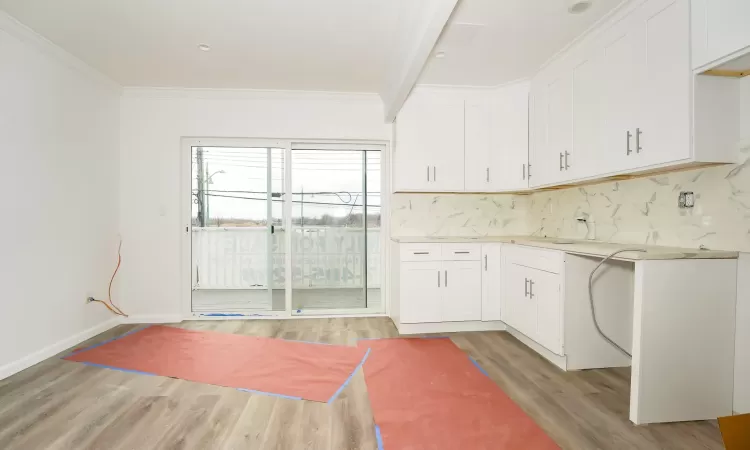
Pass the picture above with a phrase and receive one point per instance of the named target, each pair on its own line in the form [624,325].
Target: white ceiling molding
[413,56]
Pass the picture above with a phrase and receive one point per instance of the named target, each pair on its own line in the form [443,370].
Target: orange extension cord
[111,305]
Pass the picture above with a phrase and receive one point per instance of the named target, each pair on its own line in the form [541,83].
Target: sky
[331,182]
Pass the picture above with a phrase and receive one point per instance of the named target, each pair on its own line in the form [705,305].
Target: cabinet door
[509,137]
[720,28]
[491,282]
[462,291]
[619,95]
[583,160]
[421,288]
[663,120]
[519,309]
[412,162]
[547,163]
[544,290]
[477,147]
[446,146]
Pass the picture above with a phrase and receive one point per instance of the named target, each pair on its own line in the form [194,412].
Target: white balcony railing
[322,257]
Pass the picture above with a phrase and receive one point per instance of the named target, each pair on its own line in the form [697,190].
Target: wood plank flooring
[65,405]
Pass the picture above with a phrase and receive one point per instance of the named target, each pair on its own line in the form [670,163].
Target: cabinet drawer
[546,260]
[461,252]
[420,252]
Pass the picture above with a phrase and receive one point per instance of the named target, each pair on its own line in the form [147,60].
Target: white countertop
[582,247]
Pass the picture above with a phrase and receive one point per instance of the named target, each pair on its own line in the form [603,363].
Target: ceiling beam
[414,56]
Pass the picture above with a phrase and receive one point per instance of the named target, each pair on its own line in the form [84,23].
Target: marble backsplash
[459,214]
[637,211]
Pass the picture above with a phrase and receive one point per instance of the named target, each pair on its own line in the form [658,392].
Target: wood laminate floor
[65,405]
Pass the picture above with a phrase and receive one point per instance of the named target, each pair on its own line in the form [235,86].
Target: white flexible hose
[591,296]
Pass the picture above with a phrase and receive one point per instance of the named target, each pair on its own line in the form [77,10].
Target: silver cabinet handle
[434,177]
[566,161]
[528,172]
[461,253]
[438,278]
[638,140]
[561,164]
[488,174]
[525,287]
[531,288]
[446,277]
[421,253]
[428,173]
[485,263]
[524,171]
[627,150]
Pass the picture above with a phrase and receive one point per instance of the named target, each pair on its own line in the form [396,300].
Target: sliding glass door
[335,229]
[237,229]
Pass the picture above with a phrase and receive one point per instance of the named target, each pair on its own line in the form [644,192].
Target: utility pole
[208,199]
[302,210]
[201,183]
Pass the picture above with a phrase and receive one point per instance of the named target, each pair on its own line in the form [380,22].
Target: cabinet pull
[421,253]
[627,149]
[434,176]
[561,164]
[531,288]
[524,171]
[488,174]
[528,172]
[428,173]
[566,161]
[485,263]
[438,278]
[446,277]
[525,287]
[461,253]
[638,140]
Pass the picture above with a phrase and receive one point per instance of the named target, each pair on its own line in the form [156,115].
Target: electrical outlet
[89,299]
[686,199]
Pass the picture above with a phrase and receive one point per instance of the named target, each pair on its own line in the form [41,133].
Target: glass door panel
[233,229]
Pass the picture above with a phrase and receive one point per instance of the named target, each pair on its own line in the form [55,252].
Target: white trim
[451,327]
[245,94]
[153,318]
[559,361]
[58,347]
[18,30]
[270,316]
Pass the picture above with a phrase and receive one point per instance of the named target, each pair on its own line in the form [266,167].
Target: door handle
[628,151]
[488,174]
[566,161]
[446,277]
[638,140]
[438,278]
[485,263]
[525,287]
[531,288]
[428,173]
[561,164]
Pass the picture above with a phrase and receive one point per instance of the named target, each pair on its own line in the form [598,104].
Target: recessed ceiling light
[204,47]
[440,55]
[578,6]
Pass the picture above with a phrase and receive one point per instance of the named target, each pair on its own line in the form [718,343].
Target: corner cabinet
[453,140]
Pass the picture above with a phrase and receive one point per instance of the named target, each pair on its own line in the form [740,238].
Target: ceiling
[322,45]
[491,42]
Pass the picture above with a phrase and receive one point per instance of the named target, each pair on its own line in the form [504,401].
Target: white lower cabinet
[446,283]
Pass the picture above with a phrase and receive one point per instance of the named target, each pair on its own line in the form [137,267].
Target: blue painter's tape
[474,361]
[271,394]
[379,437]
[134,330]
[336,394]
[117,368]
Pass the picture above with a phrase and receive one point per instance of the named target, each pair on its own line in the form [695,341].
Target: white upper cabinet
[586,86]
[497,140]
[719,29]
[429,145]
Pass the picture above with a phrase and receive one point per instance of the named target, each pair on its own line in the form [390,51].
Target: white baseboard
[450,327]
[559,361]
[155,318]
[52,350]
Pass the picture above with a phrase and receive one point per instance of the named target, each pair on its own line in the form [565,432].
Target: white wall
[153,123]
[59,140]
